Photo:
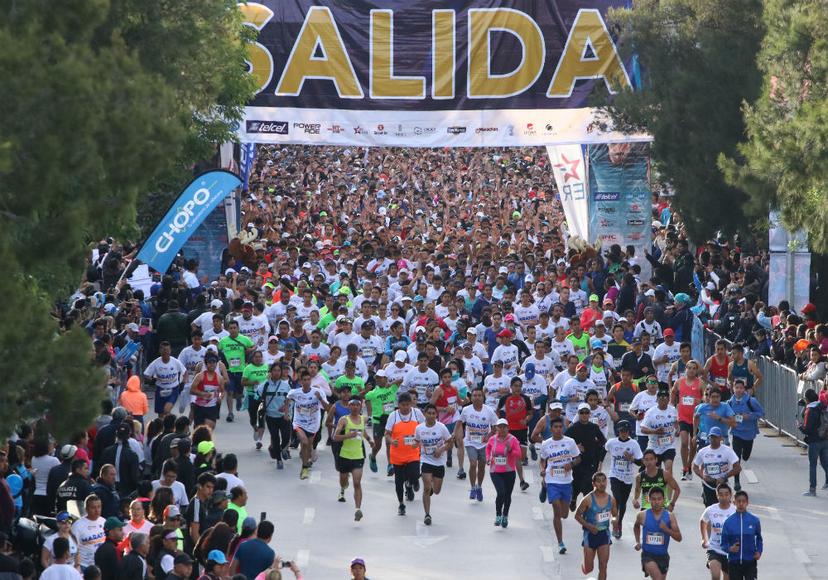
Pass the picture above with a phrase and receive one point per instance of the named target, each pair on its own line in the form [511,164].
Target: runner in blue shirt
[711,414]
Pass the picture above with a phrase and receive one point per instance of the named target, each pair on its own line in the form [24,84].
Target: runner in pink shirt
[502,455]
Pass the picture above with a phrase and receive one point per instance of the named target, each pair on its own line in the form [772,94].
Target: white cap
[502,421]
[608,314]
[471,331]
[212,347]
[229,272]
[583,406]
[599,323]
[503,270]
[556,405]
[132,327]
[408,298]
[404,271]
[419,329]
[216,303]
[401,356]
[650,292]
[710,286]
[381,372]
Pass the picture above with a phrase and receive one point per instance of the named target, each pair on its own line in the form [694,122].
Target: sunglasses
[583,412]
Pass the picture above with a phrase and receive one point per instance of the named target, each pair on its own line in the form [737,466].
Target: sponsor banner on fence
[573,187]
[620,207]
[431,73]
[192,207]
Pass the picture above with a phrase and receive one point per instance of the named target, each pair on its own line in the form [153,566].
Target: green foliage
[100,101]
[698,59]
[784,162]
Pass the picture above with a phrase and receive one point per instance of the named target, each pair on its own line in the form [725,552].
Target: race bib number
[624,407]
[306,411]
[595,420]
[500,460]
[622,465]
[664,440]
[714,469]
[604,517]
[720,381]
[429,449]
[476,437]
[234,362]
[654,539]
[388,408]
[410,441]
[558,472]
[165,392]
[740,418]
[688,401]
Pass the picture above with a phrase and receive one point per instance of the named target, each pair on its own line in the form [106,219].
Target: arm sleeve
[759,542]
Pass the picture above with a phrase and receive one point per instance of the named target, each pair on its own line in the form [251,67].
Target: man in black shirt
[75,488]
[637,362]
[196,511]
[108,555]
[590,441]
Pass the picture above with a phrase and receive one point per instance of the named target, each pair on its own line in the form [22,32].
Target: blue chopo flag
[194,204]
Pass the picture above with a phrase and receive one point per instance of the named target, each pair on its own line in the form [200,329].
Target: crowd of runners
[418,313]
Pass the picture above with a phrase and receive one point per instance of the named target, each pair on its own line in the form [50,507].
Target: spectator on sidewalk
[815,428]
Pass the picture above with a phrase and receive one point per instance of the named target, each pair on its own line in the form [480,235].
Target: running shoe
[389,471]
[616,534]
[498,521]
[504,522]
[684,475]
[542,494]
[258,445]
[401,510]
[461,474]
[561,548]
[341,498]
[809,493]
[448,461]
[825,486]
[689,475]
[304,473]
[372,462]
[524,486]
[479,494]
[230,418]
[533,452]
[473,493]
[427,520]
[279,464]
[357,515]
[416,485]
[409,493]
[238,404]
[285,454]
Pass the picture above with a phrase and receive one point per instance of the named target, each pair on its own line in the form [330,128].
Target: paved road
[320,534]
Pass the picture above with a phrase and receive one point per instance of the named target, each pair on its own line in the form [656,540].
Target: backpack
[822,428]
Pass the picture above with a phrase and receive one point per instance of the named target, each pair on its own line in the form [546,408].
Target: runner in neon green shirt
[235,349]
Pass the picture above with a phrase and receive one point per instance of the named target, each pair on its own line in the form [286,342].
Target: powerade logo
[607,196]
[455,130]
[181,219]
[273,127]
[308,128]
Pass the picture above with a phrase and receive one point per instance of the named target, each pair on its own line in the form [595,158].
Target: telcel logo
[181,219]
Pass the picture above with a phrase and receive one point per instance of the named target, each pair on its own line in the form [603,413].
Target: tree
[99,100]
[785,158]
[698,62]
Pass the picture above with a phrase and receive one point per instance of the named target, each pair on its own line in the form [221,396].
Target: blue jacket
[746,530]
[751,411]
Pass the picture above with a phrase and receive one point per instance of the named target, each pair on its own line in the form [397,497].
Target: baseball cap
[358,562]
[669,332]
[171,535]
[171,512]
[401,356]
[182,559]
[607,300]
[714,432]
[650,292]
[502,421]
[471,331]
[599,322]
[584,406]
[581,366]
[217,556]
[112,523]
[556,405]
[505,333]
[509,317]
[530,371]
[132,327]
[63,516]
[68,451]
[608,314]
[273,339]
[596,343]
[247,306]
[593,298]
[382,373]
[216,303]
[249,523]
[219,496]
[623,425]
[205,447]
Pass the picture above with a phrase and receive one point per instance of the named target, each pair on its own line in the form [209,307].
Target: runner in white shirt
[472,366]
[89,531]
[624,452]
[649,325]
[665,355]
[204,321]
[574,391]
[710,527]
[546,361]
[598,413]
[476,425]
[191,357]
[641,403]
[558,455]
[507,353]
[166,373]
[714,464]
[496,386]
[272,353]
[308,404]
[217,330]
[660,424]
[396,371]
[253,327]
[526,313]
[435,441]
[560,345]
[422,380]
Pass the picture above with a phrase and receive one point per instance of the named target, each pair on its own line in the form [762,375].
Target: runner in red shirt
[516,408]
[716,369]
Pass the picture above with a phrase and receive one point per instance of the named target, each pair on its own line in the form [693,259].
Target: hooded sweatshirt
[133,399]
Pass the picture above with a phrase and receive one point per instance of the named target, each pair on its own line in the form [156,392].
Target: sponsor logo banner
[361,62]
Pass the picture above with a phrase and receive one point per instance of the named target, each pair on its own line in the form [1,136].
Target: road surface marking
[310,513]
[548,553]
[302,558]
[801,556]
[750,476]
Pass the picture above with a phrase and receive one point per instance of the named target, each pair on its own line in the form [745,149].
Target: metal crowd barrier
[779,393]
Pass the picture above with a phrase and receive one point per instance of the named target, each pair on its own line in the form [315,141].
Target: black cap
[182,559]
[623,425]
